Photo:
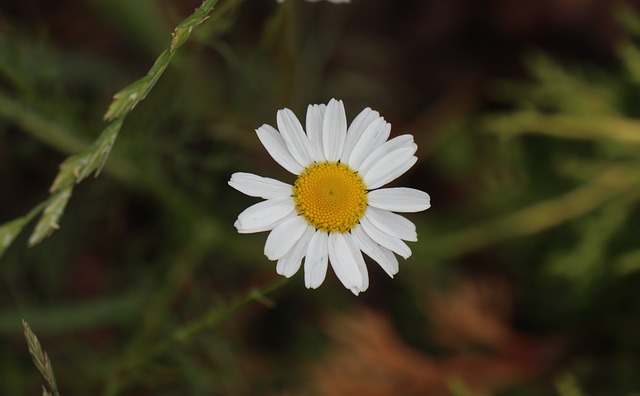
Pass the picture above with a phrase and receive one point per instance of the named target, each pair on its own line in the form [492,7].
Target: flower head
[335,209]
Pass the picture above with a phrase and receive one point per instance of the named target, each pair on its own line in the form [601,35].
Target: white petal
[390,168]
[276,147]
[392,224]
[334,130]
[294,136]
[373,136]
[399,199]
[394,244]
[343,262]
[383,256]
[357,127]
[267,227]
[315,265]
[315,115]
[289,264]
[284,236]
[357,254]
[258,186]
[378,154]
[264,215]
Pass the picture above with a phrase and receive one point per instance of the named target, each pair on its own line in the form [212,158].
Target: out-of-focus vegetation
[525,279]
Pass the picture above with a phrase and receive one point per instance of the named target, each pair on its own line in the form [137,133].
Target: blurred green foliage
[534,179]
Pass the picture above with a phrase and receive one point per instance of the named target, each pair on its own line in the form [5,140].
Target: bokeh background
[525,279]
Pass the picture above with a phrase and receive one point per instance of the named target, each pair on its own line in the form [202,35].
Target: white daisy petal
[399,199]
[258,186]
[334,130]
[392,243]
[343,262]
[372,137]
[267,227]
[315,116]
[294,136]
[281,240]
[356,128]
[378,154]
[290,263]
[390,168]
[264,215]
[276,147]
[383,256]
[392,224]
[315,265]
[362,266]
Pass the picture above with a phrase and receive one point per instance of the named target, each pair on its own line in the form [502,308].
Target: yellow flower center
[330,196]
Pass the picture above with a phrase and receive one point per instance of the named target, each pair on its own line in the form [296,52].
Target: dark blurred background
[525,277]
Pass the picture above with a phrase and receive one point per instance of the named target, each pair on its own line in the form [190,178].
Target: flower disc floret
[331,196]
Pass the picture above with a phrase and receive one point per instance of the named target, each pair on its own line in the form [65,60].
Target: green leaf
[51,215]
[70,170]
[78,166]
[184,28]
[10,230]
[126,99]
[100,150]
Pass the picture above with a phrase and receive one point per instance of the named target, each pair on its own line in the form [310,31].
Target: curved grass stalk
[92,159]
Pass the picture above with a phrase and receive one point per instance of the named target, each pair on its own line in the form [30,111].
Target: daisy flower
[335,210]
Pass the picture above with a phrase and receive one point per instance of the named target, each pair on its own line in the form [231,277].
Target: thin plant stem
[185,334]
